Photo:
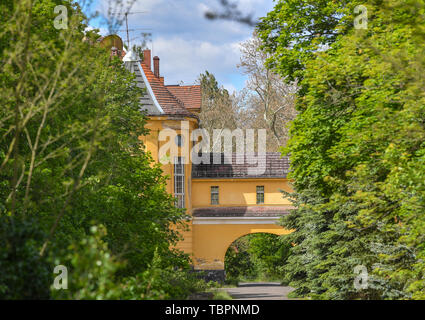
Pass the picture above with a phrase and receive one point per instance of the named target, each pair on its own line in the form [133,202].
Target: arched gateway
[246,204]
[212,236]
[227,196]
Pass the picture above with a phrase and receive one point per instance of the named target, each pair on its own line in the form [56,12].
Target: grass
[220,294]
[219,291]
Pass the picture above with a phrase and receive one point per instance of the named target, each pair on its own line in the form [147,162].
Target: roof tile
[273,166]
[168,102]
[190,95]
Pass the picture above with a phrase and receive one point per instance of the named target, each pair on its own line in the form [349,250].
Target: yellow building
[226,196]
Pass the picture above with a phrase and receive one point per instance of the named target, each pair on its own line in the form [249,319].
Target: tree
[238,262]
[70,149]
[295,30]
[267,102]
[231,12]
[25,275]
[356,146]
[269,253]
[258,256]
[218,111]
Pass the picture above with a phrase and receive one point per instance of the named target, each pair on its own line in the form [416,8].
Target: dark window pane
[214,195]
[179,181]
[260,194]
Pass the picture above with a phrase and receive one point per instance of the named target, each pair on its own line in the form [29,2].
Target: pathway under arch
[212,236]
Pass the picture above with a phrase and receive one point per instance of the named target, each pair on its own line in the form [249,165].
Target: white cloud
[188,43]
[102,31]
[185,59]
[230,87]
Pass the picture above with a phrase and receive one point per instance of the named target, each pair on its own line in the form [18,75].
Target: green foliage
[357,149]
[24,274]
[94,274]
[91,269]
[217,108]
[221,295]
[162,283]
[211,87]
[269,253]
[238,262]
[295,30]
[71,157]
[256,257]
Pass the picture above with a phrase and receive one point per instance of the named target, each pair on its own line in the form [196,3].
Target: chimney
[156,66]
[147,58]
[162,80]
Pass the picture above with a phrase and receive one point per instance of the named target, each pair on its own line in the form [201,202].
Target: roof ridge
[180,86]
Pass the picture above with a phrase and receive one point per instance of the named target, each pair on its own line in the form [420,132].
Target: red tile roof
[168,102]
[189,95]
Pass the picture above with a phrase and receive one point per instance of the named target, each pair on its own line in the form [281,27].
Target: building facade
[224,195]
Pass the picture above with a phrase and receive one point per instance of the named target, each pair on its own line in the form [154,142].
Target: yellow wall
[239,192]
[153,145]
[208,243]
[212,241]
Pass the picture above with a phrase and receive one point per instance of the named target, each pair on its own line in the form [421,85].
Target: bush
[159,283]
[94,274]
[91,269]
[269,253]
[238,262]
[24,274]
[256,256]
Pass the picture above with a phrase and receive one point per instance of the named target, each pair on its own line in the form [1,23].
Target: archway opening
[257,257]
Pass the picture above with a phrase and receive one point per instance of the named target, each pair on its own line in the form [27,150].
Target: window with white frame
[260,194]
[179,181]
[214,195]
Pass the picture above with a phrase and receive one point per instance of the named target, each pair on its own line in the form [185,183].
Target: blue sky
[187,43]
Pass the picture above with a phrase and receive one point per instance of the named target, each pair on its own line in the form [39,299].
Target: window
[179,140]
[260,194]
[214,195]
[179,181]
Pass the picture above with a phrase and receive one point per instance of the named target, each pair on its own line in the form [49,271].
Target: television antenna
[126,23]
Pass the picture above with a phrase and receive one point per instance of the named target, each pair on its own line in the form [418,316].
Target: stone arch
[226,262]
[211,241]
